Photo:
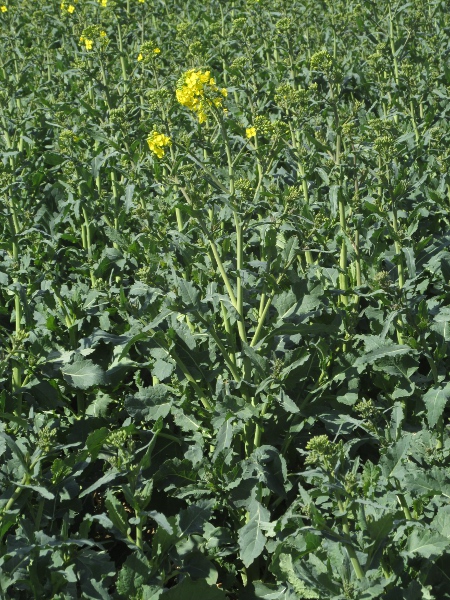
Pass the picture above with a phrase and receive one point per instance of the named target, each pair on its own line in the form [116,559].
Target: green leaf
[392,462]
[15,450]
[286,402]
[259,362]
[95,441]
[161,520]
[426,543]
[435,401]
[198,566]
[224,437]
[83,374]
[150,403]
[434,482]
[107,478]
[132,575]
[251,538]
[301,587]
[193,518]
[116,512]
[264,591]
[194,590]
[99,406]
[162,369]
[42,491]
[383,352]
[188,293]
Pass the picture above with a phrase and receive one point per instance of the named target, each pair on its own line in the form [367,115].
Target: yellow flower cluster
[90,34]
[148,51]
[103,3]
[198,91]
[157,142]
[250,132]
[144,56]
[88,43]
[4,8]
[67,7]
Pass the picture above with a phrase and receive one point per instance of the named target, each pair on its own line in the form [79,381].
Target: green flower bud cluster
[366,408]
[66,140]
[348,129]
[6,180]
[293,193]
[268,128]
[158,99]
[239,64]
[185,30]
[241,27]
[118,438]
[320,449]
[118,116]
[382,281]
[284,26]
[277,368]
[384,145]
[323,62]
[245,187]
[290,99]
[196,49]
[46,438]
[94,36]
[149,51]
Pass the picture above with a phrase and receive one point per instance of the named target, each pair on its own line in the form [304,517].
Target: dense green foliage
[224,300]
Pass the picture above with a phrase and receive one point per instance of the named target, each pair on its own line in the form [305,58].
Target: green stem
[179,217]
[239,287]
[414,124]
[229,332]
[401,272]
[87,226]
[404,505]
[392,43]
[139,539]
[105,84]
[263,313]
[231,365]
[16,494]
[239,234]
[343,278]
[16,381]
[201,394]
[259,427]
[40,510]
[121,53]
[351,551]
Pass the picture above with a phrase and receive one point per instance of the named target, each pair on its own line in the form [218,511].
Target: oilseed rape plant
[224,300]
[197,91]
[93,34]
[148,52]
[157,142]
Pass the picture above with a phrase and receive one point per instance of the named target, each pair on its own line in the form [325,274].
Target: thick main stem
[16,380]
[343,278]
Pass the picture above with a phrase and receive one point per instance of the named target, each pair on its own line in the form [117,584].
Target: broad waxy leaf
[83,374]
[435,401]
[194,590]
[224,300]
[251,537]
[426,543]
[150,403]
